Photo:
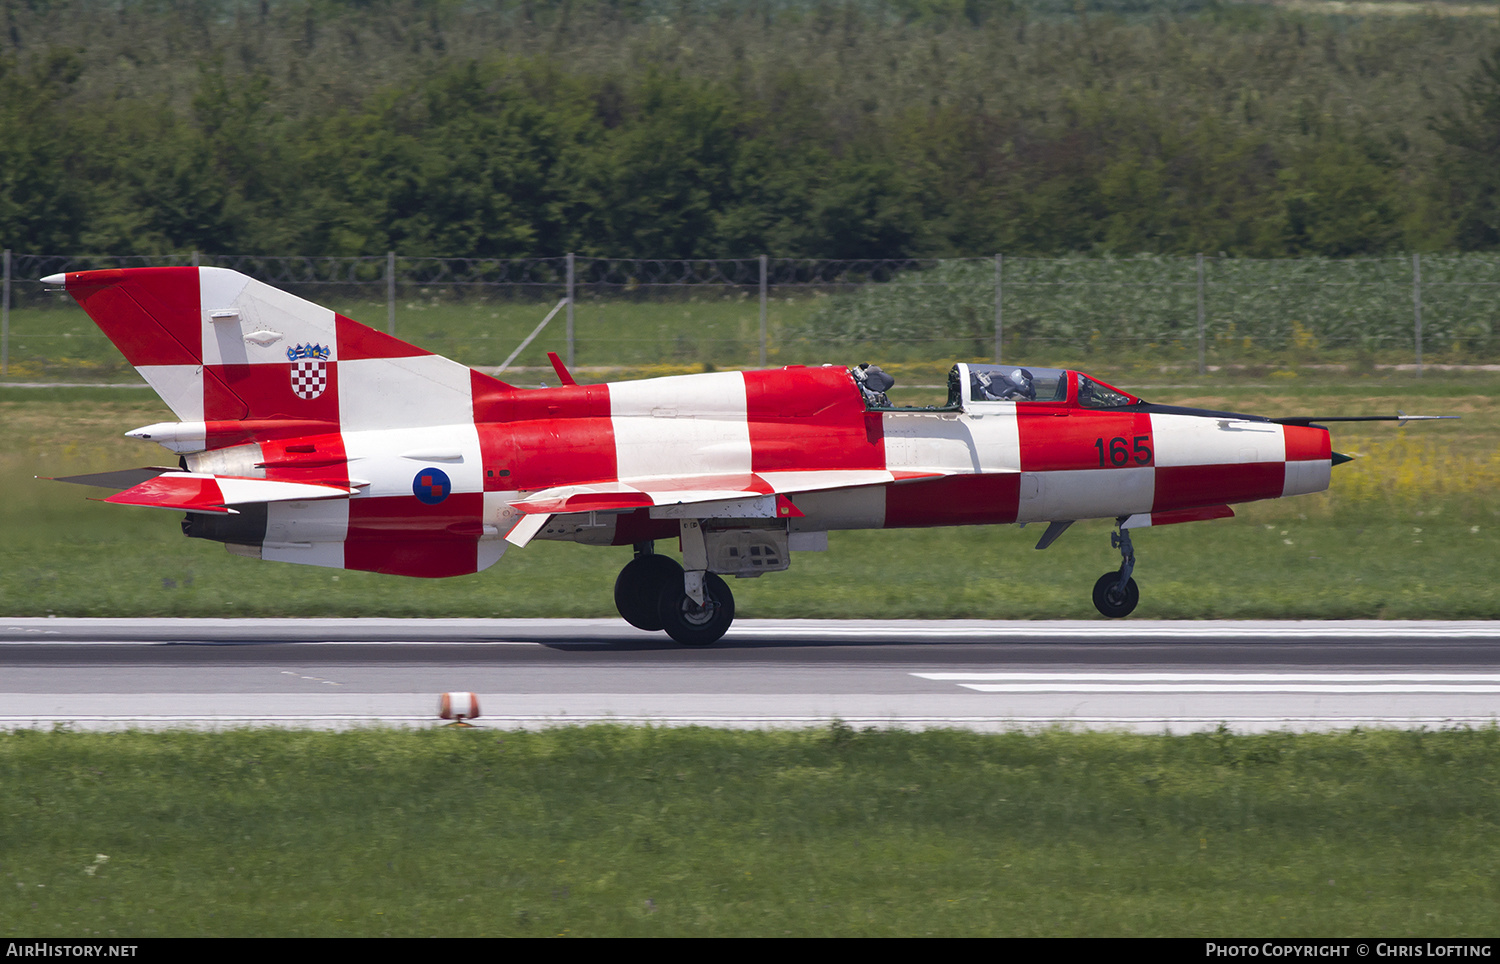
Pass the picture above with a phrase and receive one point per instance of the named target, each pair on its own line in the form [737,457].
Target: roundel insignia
[431,486]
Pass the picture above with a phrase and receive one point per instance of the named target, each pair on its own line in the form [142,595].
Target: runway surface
[1148,676]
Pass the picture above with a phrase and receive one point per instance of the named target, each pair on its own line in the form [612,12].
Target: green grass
[60,343]
[84,560]
[644,832]
[1411,530]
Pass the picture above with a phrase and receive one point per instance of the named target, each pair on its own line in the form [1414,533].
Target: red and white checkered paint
[192,492]
[335,436]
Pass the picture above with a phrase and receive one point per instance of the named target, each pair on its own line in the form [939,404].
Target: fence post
[5,320]
[763,261]
[998,301]
[1416,302]
[390,293]
[1202,333]
[195,257]
[570,281]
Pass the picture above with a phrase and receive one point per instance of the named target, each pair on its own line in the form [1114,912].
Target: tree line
[729,128]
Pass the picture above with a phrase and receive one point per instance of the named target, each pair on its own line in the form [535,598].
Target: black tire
[691,624]
[639,585]
[1114,602]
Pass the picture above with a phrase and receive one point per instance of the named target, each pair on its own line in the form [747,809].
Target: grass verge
[612,831]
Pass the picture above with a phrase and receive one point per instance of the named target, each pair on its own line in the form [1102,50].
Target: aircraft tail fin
[219,346]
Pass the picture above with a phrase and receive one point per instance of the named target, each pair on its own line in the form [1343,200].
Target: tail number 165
[1120,451]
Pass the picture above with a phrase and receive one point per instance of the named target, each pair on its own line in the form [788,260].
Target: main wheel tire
[638,588]
[1112,601]
[689,623]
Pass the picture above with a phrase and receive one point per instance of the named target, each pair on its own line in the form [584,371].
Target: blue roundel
[431,486]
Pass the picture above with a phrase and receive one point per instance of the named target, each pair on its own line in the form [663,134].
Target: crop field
[1092,313]
[1410,529]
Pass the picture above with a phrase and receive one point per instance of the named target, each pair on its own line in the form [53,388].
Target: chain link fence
[1186,314]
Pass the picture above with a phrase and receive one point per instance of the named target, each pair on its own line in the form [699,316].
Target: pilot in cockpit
[873,384]
[1002,386]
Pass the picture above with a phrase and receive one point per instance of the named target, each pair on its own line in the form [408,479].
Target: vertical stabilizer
[220,346]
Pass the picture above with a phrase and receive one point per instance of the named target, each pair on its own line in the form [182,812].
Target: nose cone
[1339,458]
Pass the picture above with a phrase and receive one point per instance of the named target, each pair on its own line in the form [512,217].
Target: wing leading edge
[749,496]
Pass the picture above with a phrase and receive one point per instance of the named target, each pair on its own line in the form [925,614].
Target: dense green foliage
[732,127]
[1471,170]
[600,830]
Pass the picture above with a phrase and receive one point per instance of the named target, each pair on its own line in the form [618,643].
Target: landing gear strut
[691,623]
[653,593]
[1116,594]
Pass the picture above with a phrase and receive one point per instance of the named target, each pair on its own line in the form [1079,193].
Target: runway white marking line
[1340,683]
[311,679]
[1114,632]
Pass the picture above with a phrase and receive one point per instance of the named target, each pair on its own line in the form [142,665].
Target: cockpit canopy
[972,386]
[979,387]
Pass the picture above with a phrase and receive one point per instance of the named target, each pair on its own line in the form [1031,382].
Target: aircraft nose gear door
[1116,594]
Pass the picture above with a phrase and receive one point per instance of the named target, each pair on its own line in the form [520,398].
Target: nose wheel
[1116,594]
[1113,600]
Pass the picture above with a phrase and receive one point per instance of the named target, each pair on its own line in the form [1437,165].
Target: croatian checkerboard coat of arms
[309,369]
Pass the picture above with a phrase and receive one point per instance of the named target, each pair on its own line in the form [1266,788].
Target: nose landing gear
[1116,594]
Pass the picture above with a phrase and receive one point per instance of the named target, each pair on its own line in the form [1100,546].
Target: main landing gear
[1116,594]
[640,583]
[653,593]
